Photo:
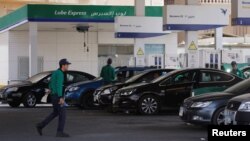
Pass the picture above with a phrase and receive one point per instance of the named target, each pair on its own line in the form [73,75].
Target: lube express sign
[195,17]
[80,13]
[241,12]
[111,13]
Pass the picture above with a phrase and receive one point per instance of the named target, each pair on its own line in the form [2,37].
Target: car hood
[242,98]
[211,96]
[134,86]
[16,82]
[19,84]
[111,85]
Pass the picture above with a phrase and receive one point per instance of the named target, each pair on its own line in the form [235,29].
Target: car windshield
[134,78]
[38,77]
[164,76]
[239,88]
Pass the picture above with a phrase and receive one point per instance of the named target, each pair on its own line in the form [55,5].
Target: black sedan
[103,96]
[238,110]
[170,90]
[31,91]
[209,108]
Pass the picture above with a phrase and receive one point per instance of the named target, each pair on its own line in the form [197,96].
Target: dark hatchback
[103,96]
[170,90]
[209,108]
[238,110]
[31,91]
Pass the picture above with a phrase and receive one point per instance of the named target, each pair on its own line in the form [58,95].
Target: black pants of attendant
[58,110]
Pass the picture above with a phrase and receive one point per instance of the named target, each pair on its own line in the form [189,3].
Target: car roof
[151,70]
[69,71]
[119,69]
[243,68]
[206,69]
[242,98]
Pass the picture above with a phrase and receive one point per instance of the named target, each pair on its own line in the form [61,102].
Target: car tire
[219,117]
[87,101]
[149,105]
[14,104]
[29,100]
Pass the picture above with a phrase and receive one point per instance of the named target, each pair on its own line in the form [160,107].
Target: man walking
[108,72]
[57,97]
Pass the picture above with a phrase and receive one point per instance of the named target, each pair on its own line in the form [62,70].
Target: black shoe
[39,129]
[62,134]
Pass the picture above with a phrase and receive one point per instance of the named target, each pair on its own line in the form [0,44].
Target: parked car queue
[147,92]
[31,91]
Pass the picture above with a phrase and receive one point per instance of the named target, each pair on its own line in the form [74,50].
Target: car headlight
[245,107]
[106,91]
[13,89]
[201,104]
[71,89]
[109,90]
[127,92]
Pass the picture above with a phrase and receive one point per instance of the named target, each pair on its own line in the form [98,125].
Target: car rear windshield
[239,88]
[134,78]
[164,76]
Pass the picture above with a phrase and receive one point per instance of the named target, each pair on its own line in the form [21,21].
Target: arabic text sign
[133,24]
[198,17]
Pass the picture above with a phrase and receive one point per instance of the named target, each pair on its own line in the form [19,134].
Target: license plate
[181,111]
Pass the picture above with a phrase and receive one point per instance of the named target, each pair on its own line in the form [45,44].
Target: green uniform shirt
[56,83]
[108,73]
[238,73]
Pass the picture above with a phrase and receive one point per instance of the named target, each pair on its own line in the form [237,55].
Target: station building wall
[52,46]
[4,55]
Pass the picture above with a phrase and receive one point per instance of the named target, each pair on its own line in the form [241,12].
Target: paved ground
[18,125]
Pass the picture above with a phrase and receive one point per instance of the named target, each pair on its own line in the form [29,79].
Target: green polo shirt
[108,73]
[238,73]
[56,83]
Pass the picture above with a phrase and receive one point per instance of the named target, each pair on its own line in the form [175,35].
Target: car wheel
[219,117]
[29,100]
[14,104]
[87,101]
[149,105]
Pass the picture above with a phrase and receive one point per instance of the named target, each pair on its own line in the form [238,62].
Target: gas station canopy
[70,13]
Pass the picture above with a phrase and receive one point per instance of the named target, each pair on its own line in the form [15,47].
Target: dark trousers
[58,110]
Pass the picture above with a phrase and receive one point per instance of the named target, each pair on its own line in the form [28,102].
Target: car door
[42,87]
[179,87]
[212,81]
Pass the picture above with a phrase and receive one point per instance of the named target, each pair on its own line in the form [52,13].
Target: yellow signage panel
[140,52]
[192,46]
